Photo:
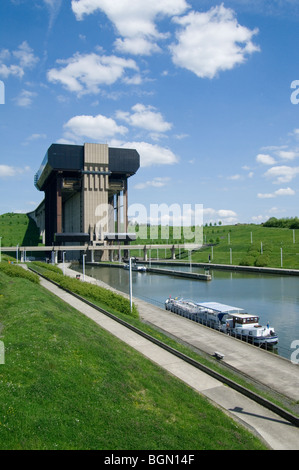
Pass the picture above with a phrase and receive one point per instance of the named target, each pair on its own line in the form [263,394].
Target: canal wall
[168,272]
[171,272]
[229,267]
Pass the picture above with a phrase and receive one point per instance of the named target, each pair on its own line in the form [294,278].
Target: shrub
[247,261]
[13,270]
[93,292]
[262,261]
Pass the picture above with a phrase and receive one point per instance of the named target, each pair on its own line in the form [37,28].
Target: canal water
[274,298]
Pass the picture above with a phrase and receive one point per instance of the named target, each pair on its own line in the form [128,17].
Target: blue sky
[206,91]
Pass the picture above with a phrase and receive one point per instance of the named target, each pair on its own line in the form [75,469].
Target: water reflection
[272,298]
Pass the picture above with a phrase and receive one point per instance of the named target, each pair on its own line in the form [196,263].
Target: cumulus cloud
[9,171]
[265,159]
[225,215]
[287,154]
[134,21]
[210,42]
[23,57]
[282,174]
[145,117]
[279,192]
[158,182]
[152,154]
[92,127]
[85,73]
[25,98]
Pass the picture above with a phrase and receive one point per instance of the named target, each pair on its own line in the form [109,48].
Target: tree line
[287,222]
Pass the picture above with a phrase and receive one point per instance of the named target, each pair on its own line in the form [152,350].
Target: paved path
[278,433]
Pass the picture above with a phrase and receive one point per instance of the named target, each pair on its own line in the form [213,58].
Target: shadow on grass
[32,235]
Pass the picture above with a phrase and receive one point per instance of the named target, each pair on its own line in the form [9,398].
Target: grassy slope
[68,384]
[18,229]
[238,239]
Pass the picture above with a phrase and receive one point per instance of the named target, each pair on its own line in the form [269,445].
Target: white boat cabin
[244,320]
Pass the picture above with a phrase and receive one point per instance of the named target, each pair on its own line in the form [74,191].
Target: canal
[274,298]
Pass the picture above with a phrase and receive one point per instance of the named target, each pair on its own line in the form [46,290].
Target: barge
[230,320]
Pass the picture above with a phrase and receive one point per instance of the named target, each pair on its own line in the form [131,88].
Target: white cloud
[285,192]
[86,73]
[265,159]
[9,171]
[158,182]
[25,98]
[287,155]
[152,154]
[136,46]
[135,21]
[265,196]
[282,174]
[92,127]
[24,57]
[226,216]
[145,117]
[54,8]
[210,42]
[279,192]
[234,177]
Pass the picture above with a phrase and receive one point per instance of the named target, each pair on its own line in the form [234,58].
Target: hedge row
[92,292]
[13,270]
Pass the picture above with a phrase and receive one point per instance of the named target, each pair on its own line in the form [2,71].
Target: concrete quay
[230,267]
[168,272]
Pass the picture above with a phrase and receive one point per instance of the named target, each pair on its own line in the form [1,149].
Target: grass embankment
[247,245]
[18,229]
[231,244]
[104,298]
[251,245]
[68,384]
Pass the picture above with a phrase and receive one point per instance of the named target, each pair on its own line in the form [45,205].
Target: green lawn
[68,384]
[18,229]
[252,245]
[231,244]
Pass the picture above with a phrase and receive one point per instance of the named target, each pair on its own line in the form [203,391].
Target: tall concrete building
[86,193]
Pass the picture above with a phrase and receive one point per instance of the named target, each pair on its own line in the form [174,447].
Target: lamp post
[84,267]
[130,282]
[0,249]
[63,255]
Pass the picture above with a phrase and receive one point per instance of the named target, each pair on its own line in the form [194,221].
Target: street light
[130,283]
[84,267]
[0,249]
[63,254]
